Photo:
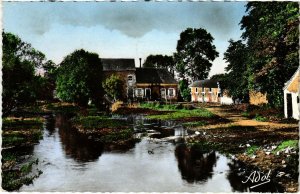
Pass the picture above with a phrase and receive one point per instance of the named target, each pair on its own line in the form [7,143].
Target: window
[130,78]
[171,92]
[139,92]
[196,90]
[210,89]
[163,93]
[148,92]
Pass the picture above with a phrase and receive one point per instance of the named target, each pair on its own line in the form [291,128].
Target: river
[160,163]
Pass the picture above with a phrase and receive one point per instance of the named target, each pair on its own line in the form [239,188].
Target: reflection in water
[77,145]
[72,162]
[194,165]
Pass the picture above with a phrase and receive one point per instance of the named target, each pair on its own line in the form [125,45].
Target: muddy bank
[19,135]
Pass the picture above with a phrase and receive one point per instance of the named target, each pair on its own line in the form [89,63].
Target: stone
[248,145]
[268,153]
[283,161]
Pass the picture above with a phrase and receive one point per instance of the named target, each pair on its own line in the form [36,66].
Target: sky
[121,29]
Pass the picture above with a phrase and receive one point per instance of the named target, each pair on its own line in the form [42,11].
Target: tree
[236,56]
[20,84]
[79,78]
[160,61]
[113,86]
[184,90]
[195,53]
[272,34]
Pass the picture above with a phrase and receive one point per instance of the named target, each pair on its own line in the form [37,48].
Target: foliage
[252,150]
[236,56]
[20,84]
[195,53]
[160,61]
[184,90]
[272,34]
[79,78]
[113,86]
[260,118]
[288,143]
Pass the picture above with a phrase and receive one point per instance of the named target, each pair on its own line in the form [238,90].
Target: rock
[273,147]
[197,133]
[283,161]
[248,145]
[253,156]
[268,153]
[288,155]
[280,174]
[204,133]
[240,146]
[284,166]
[277,153]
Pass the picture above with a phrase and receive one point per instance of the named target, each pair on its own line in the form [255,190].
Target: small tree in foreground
[113,87]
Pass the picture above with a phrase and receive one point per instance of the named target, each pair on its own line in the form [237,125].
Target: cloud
[132,19]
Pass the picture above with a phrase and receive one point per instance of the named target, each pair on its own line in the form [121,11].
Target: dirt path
[235,118]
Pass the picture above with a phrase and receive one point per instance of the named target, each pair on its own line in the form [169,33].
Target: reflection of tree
[238,172]
[77,145]
[50,124]
[195,165]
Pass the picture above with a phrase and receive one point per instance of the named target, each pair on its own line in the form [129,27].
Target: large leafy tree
[236,56]
[195,53]
[272,34]
[160,61]
[20,84]
[79,78]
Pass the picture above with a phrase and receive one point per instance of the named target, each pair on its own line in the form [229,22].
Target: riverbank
[19,135]
[264,144]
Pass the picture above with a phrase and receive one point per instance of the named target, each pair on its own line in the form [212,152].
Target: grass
[245,114]
[124,134]
[195,124]
[179,114]
[252,150]
[260,118]
[289,143]
[26,123]
[93,122]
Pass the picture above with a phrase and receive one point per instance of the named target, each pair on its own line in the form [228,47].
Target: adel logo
[258,178]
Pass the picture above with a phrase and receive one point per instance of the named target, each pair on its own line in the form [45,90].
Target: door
[148,93]
[289,105]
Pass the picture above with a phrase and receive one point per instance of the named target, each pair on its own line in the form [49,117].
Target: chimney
[140,62]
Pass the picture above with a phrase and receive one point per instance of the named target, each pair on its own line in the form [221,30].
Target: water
[73,162]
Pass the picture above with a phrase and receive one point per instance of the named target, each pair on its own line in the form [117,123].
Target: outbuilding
[291,97]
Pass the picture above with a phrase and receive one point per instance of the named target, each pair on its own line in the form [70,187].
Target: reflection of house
[291,97]
[155,84]
[141,83]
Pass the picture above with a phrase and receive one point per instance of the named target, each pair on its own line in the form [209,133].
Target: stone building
[141,83]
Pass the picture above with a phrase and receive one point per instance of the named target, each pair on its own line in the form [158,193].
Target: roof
[293,84]
[153,75]
[118,64]
[207,83]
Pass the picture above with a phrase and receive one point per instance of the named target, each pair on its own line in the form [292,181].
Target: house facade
[291,96]
[141,83]
[209,91]
[205,91]
[155,84]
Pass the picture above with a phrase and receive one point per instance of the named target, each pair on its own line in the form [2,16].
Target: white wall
[226,100]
